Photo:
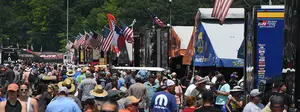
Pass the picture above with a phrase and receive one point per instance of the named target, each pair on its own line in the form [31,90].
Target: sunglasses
[23,89]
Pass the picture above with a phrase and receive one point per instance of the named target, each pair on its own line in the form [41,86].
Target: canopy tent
[218,45]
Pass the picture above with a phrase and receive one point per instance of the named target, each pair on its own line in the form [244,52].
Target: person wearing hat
[151,86]
[192,85]
[99,93]
[167,97]
[277,104]
[62,103]
[200,88]
[12,102]
[130,104]
[254,105]
[234,102]
[207,106]
[86,86]
[71,89]
[139,91]
[81,76]
[222,91]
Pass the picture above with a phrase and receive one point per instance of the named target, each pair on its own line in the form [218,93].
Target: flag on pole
[76,41]
[41,50]
[187,58]
[87,40]
[221,8]
[81,40]
[111,20]
[107,39]
[69,45]
[127,32]
[95,40]
[157,20]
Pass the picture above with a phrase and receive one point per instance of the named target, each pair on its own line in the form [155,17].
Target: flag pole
[133,22]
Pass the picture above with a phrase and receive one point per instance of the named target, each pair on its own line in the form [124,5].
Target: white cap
[170,83]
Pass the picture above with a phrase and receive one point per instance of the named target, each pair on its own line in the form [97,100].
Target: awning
[218,45]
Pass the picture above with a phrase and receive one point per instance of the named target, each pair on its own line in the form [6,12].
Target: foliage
[44,22]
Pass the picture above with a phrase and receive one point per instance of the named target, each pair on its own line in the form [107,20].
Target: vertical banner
[269,43]
[81,56]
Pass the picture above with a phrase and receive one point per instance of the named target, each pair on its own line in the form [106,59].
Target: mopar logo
[161,101]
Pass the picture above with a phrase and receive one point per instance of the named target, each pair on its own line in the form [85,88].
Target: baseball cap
[255,92]
[170,82]
[63,89]
[207,96]
[13,87]
[138,77]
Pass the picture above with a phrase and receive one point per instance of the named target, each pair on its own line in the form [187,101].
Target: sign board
[269,43]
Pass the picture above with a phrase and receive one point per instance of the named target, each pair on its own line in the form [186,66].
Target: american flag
[107,39]
[95,40]
[156,19]
[128,33]
[221,8]
[81,40]
[76,41]
[87,40]
[69,45]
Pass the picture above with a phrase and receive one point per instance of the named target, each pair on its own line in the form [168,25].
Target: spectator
[199,90]
[109,105]
[71,89]
[222,92]
[277,104]
[192,86]
[31,103]
[45,98]
[151,86]
[99,93]
[1,94]
[86,86]
[208,103]
[178,95]
[254,105]
[167,97]
[90,106]
[233,80]
[234,102]
[190,103]
[139,91]
[131,104]
[12,104]
[62,103]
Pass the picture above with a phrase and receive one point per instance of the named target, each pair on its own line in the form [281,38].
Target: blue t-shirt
[222,99]
[63,104]
[163,102]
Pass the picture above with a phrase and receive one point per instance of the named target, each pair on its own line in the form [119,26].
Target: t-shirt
[13,108]
[189,110]
[287,98]
[208,109]
[86,86]
[251,107]
[163,102]
[189,90]
[63,104]
[139,91]
[222,99]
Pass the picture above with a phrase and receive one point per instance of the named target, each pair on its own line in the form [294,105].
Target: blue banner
[269,47]
[204,52]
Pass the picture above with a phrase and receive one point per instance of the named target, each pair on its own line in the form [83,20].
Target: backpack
[31,77]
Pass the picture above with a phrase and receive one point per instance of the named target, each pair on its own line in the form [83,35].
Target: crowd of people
[41,87]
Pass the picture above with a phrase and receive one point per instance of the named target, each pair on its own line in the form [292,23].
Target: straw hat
[98,91]
[83,70]
[67,83]
[70,73]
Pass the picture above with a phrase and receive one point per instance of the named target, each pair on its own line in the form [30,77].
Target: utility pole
[68,57]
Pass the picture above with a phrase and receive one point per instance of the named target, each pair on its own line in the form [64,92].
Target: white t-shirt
[214,79]
[189,90]
[251,107]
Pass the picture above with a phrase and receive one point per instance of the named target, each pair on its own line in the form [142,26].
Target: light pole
[270,2]
[68,57]
[170,1]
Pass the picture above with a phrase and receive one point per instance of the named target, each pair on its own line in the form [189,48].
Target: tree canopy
[43,23]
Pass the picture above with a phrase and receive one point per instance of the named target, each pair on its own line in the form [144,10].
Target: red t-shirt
[189,110]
